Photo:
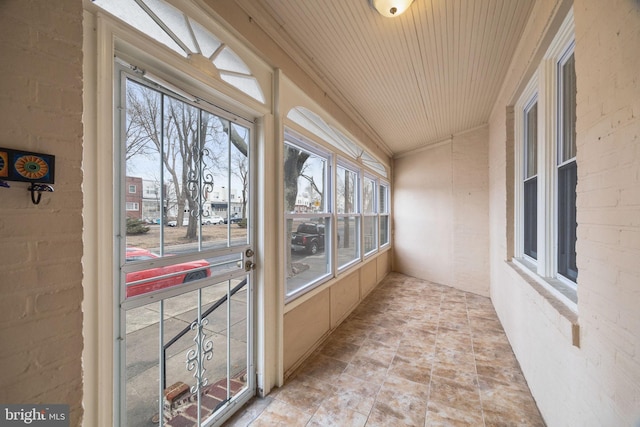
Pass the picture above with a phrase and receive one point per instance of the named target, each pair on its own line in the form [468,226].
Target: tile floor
[412,354]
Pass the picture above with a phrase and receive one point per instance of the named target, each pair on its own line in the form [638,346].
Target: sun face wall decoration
[25,166]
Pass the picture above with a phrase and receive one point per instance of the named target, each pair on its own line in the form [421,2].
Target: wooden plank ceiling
[415,79]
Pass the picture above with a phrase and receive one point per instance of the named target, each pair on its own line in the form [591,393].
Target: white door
[185,296]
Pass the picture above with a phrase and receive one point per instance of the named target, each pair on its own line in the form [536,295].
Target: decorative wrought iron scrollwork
[199,182]
[197,356]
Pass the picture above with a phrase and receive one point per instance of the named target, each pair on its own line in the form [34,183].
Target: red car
[189,271]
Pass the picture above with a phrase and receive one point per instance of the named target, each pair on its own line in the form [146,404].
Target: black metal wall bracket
[39,188]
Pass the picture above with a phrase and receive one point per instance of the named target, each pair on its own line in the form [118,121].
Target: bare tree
[313,186]
[294,162]
[240,168]
[172,131]
[229,151]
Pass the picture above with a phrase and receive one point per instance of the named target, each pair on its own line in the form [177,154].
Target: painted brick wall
[597,384]
[441,211]
[41,246]
[608,127]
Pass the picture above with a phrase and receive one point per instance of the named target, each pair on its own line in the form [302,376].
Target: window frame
[526,179]
[291,138]
[374,215]
[341,162]
[337,160]
[384,212]
[134,206]
[570,278]
[543,89]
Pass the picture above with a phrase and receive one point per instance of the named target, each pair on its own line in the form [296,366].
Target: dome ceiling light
[390,8]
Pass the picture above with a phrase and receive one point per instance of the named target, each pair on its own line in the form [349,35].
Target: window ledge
[558,294]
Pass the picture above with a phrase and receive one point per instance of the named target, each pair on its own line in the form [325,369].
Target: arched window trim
[314,124]
[178,31]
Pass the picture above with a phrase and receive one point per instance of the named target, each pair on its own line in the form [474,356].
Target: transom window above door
[188,38]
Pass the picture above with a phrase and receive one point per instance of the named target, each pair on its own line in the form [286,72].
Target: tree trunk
[293,164]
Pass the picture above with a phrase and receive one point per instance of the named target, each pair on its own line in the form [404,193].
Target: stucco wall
[40,268]
[441,213]
[597,383]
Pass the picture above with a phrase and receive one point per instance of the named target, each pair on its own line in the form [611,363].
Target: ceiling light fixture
[390,8]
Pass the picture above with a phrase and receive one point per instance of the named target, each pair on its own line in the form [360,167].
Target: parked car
[215,219]
[234,219]
[308,237]
[174,223]
[188,271]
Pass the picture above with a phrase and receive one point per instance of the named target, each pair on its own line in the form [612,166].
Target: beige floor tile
[279,414]
[250,412]
[414,353]
[379,351]
[340,349]
[400,402]
[354,394]
[408,369]
[322,368]
[368,369]
[341,417]
[463,396]
[443,415]
[305,393]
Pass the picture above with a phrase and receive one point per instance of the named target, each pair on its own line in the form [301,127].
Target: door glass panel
[141,364]
[143,167]
[181,156]
[238,184]
[187,177]
[186,299]
[215,173]
[199,363]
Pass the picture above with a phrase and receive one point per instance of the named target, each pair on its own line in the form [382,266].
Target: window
[383,209]
[187,37]
[132,206]
[567,173]
[348,214]
[370,225]
[530,183]
[546,168]
[307,175]
[132,189]
[335,213]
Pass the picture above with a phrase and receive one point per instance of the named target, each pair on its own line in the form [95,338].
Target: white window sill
[562,297]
